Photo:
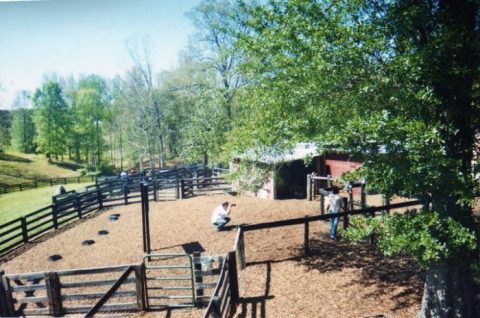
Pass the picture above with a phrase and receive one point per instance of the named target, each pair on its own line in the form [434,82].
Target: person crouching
[220,215]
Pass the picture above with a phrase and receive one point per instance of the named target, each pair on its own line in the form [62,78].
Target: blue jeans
[221,223]
[333,226]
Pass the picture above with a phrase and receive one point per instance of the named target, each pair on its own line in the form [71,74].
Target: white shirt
[219,213]
[335,203]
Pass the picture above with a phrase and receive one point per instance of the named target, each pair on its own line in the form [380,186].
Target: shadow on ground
[8,157]
[67,165]
[332,256]
[256,306]
[385,273]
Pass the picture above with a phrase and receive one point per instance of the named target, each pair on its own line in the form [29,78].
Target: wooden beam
[113,289]
[54,294]
[298,221]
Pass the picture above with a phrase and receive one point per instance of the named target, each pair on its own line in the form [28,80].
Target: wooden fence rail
[72,291]
[38,183]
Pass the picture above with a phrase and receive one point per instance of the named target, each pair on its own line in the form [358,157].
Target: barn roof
[272,156]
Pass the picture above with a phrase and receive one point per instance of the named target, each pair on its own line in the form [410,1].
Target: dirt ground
[338,279]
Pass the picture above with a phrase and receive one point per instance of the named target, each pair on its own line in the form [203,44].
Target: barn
[288,176]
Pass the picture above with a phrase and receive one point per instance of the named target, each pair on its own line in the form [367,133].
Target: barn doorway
[291,179]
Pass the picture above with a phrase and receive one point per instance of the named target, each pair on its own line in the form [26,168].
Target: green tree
[395,83]
[51,119]
[5,124]
[23,128]
[217,23]
[90,101]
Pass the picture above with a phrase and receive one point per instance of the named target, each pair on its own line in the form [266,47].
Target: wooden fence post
[155,189]
[216,307]
[145,217]
[182,189]
[6,305]
[79,205]
[99,197]
[363,196]
[140,285]
[177,189]
[24,230]
[125,193]
[322,204]
[241,249]
[350,199]
[54,216]
[306,236]
[54,294]
[309,187]
[197,267]
[233,277]
[386,201]
[346,220]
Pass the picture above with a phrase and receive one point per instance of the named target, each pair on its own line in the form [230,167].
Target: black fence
[71,206]
[39,183]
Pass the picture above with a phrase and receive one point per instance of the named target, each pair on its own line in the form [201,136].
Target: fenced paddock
[106,193]
[278,280]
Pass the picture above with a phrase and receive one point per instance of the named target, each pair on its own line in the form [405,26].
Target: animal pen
[149,285]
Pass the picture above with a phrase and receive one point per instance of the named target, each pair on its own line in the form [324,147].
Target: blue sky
[73,37]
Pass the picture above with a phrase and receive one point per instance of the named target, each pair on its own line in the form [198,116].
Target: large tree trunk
[448,292]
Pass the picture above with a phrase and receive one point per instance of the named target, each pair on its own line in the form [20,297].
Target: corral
[337,279]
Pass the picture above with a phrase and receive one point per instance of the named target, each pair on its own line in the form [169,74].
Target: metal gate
[169,281]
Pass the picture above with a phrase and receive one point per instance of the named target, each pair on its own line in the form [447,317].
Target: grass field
[18,168]
[16,204]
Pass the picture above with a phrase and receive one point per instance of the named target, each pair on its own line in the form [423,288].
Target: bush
[105,169]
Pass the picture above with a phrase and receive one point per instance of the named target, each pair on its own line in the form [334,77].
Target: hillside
[18,168]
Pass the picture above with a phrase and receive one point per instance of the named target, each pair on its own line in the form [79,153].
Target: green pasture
[20,168]
[16,204]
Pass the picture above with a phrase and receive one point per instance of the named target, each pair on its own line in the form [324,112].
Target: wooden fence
[72,206]
[38,183]
[344,216]
[201,185]
[63,211]
[226,296]
[180,172]
[73,291]
[101,289]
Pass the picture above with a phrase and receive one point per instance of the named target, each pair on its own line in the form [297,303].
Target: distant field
[19,168]
[16,204]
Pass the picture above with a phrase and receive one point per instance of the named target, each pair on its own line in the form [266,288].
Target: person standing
[220,215]
[334,206]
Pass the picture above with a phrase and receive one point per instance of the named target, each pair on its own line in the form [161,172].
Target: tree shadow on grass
[376,270]
[9,157]
[67,165]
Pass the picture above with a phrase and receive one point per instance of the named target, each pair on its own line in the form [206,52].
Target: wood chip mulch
[338,279]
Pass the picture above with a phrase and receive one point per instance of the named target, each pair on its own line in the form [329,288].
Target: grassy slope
[17,168]
[16,204]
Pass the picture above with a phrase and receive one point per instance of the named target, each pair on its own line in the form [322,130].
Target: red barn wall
[337,164]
